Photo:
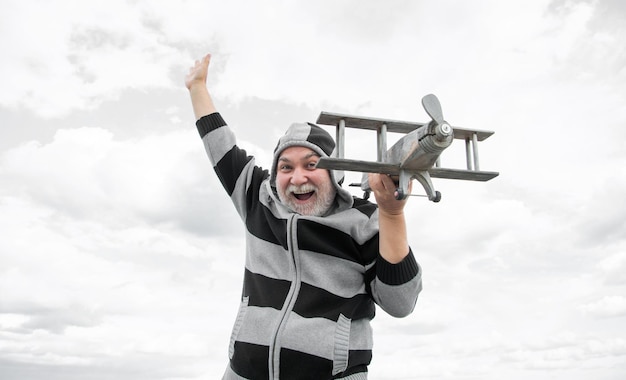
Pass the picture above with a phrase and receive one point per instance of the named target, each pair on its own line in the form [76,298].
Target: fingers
[388,183]
[385,191]
[382,182]
[374,181]
[201,62]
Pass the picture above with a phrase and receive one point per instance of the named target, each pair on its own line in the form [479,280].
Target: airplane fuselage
[420,148]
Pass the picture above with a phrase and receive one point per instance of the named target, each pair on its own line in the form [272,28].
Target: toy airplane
[414,156]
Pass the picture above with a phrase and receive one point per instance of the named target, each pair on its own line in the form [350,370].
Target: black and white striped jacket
[311,283]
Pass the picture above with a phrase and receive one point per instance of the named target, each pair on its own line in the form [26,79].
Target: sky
[121,256]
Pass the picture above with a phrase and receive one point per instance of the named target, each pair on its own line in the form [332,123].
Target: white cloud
[78,59]
[89,282]
[107,244]
[607,306]
[87,173]
[613,266]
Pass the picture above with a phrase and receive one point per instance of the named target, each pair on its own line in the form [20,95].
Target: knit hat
[315,138]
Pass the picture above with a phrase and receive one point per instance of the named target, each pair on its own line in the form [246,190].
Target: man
[317,258]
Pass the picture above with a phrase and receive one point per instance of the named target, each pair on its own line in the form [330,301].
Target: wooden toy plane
[414,156]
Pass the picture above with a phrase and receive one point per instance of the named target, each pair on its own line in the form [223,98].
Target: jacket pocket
[241,315]
[342,344]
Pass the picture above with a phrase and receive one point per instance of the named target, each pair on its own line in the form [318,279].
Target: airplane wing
[394,169]
[358,165]
[470,175]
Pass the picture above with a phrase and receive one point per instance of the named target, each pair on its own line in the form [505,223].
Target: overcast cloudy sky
[121,256]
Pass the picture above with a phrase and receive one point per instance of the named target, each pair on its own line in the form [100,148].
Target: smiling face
[300,185]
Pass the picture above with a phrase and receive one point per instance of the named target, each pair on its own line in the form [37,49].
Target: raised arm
[195,81]
[393,243]
[398,276]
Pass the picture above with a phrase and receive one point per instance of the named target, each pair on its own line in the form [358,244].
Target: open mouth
[303,196]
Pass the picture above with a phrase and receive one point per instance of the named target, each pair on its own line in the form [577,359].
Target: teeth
[303,190]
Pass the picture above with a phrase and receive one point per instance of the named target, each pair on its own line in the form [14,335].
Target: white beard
[324,197]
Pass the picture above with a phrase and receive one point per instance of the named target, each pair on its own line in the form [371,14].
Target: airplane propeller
[433,108]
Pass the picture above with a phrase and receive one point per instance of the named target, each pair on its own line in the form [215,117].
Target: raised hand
[198,72]
[195,81]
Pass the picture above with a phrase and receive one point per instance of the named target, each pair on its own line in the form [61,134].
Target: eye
[284,168]
[312,164]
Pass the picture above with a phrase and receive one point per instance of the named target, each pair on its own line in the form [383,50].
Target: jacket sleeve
[396,286]
[235,169]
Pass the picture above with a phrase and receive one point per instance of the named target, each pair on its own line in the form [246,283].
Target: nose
[299,177]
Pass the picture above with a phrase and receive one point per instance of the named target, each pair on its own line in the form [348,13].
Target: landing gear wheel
[437,197]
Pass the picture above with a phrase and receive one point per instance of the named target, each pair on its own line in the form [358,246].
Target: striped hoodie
[311,283]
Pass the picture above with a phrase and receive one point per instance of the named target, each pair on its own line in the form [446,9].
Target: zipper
[290,300]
